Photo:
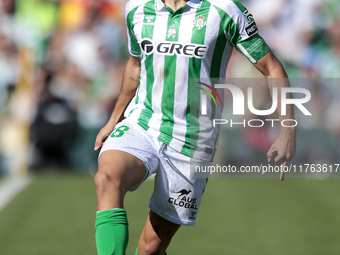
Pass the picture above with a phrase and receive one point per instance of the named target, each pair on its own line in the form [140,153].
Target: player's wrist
[291,131]
[112,122]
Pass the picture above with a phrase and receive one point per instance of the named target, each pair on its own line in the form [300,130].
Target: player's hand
[283,149]
[103,134]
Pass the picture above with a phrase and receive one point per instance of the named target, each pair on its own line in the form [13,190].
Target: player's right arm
[129,86]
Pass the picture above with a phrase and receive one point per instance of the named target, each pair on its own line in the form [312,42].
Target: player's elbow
[271,67]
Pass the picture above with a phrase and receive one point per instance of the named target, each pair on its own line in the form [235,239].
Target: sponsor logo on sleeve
[251,29]
[248,16]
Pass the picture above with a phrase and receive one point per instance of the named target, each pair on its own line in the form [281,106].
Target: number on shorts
[119,132]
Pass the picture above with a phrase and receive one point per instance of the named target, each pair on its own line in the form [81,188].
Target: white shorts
[177,193]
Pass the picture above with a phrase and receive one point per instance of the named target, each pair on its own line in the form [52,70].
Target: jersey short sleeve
[130,10]
[243,32]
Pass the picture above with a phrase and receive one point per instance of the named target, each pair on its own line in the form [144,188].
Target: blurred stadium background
[61,65]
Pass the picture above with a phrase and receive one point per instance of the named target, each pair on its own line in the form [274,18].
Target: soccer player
[172,42]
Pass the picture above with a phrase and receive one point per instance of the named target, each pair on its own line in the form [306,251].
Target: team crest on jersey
[200,22]
[172,31]
[149,18]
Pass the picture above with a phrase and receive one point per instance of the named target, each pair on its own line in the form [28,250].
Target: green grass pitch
[55,215]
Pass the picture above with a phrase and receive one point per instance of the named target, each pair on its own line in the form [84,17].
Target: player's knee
[100,180]
[104,182]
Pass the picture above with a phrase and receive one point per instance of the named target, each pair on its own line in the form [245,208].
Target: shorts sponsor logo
[183,200]
[183,192]
[190,50]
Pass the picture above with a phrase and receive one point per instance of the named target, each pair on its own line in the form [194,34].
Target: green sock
[112,234]
[137,252]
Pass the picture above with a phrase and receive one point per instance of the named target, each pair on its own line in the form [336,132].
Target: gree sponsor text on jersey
[170,48]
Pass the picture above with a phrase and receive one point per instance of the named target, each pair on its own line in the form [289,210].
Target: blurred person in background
[82,59]
[8,70]
[54,127]
[8,50]
[8,73]
[8,20]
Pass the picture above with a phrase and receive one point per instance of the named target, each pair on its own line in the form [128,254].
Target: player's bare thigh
[118,172]
[156,235]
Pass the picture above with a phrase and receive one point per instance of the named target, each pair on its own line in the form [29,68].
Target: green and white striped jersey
[194,42]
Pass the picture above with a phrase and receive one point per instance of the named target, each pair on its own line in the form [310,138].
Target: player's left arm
[284,148]
[246,39]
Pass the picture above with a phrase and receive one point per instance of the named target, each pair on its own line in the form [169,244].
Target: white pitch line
[11,187]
